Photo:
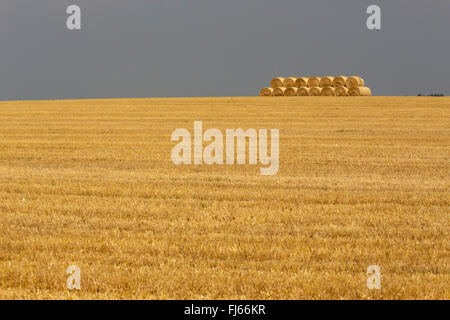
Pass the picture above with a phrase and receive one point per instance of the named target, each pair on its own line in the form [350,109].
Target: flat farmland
[362,181]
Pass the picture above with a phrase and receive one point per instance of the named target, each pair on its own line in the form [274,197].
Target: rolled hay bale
[315,91]
[301,82]
[303,92]
[279,92]
[340,81]
[359,91]
[266,92]
[289,82]
[327,92]
[277,82]
[291,92]
[314,82]
[326,82]
[341,91]
[354,81]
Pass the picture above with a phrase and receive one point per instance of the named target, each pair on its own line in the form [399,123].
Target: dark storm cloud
[138,48]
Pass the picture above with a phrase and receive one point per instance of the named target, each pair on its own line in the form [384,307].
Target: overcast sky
[165,48]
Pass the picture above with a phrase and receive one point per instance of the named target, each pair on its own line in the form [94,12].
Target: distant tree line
[431,95]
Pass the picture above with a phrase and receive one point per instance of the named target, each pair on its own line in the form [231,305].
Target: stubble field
[362,181]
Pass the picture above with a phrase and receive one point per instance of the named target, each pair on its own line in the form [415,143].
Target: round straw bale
[291,92]
[278,92]
[359,91]
[301,82]
[266,92]
[289,82]
[327,92]
[314,82]
[277,82]
[303,92]
[340,81]
[355,81]
[315,91]
[341,91]
[326,82]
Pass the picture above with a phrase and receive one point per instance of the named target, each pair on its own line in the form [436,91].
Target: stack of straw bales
[328,86]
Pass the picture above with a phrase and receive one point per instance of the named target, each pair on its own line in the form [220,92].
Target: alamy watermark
[74,280]
[374,280]
[73,21]
[213,153]
[374,20]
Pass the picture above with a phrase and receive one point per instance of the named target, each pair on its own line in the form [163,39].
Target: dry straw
[303,92]
[266,92]
[278,92]
[328,86]
[289,82]
[341,91]
[355,81]
[326,82]
[315,91]
[277,82]
[301,82]
[314,82]
[359,91]
[291,92]
[327,92]
[340,81]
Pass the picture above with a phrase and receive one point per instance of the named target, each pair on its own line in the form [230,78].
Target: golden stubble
[362,181]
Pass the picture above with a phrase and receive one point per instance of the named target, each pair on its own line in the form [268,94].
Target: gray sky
[165,48]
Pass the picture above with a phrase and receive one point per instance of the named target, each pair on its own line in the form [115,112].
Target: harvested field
[362,181]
